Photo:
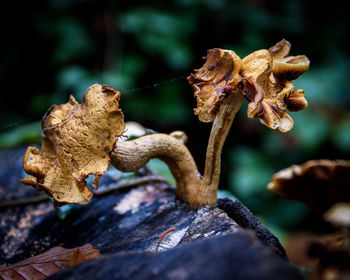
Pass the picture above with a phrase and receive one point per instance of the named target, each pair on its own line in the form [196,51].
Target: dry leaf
[48,263]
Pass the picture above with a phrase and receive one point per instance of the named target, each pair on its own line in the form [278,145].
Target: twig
[130,182]
[123,183]
[24,201]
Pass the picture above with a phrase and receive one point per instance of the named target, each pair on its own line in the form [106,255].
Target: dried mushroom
[269,88]
[77,139]
[220,85]
[80,139]
[317,183]
[217,78]
[286,67]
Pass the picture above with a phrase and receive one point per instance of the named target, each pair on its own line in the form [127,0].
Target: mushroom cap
[287,67]
[77,139]
[339,214]
[216,79]
[267,84]
[264,77]
[317,183]
[257,66]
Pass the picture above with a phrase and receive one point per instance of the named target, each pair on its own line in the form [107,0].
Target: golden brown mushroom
[77,139]
[317,183]
[269,88]
[216,88]
[286,67]
[80,139]
[218,78]
[220,86]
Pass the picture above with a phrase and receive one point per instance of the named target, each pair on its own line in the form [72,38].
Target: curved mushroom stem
[132,155]
[220,129]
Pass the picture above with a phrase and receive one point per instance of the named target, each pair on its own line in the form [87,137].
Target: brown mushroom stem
[220,129]
[130,156]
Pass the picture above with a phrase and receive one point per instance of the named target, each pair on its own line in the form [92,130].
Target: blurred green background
[51,49]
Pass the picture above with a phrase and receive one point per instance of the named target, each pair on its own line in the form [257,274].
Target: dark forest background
[53,48]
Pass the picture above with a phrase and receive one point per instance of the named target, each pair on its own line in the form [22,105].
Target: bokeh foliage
[56,48]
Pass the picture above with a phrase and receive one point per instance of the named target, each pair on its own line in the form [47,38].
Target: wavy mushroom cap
[217,78]
[317,183]
[264,77]
[270,92]
[285,67]
[77,139]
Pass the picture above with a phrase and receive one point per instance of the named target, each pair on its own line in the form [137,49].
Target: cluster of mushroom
[324,186]
[319,184]
[81,139]
[264,78]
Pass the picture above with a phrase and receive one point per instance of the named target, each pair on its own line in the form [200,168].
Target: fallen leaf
[48,263]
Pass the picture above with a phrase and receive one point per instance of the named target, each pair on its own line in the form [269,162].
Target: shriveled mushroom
[286,67]
[269,88]
[80,139]
[317,183]
[216,88]
[77,139]
[220,86]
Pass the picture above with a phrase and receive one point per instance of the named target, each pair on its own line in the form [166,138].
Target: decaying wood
[128,222]
[234,256]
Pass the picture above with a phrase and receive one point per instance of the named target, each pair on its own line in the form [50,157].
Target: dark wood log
[238,256]
[125,225]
